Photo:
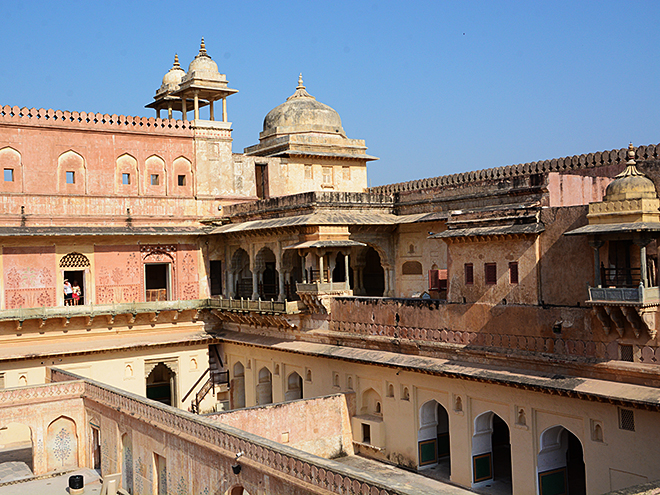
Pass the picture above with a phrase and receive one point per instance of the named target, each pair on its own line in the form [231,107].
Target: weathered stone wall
[319,426]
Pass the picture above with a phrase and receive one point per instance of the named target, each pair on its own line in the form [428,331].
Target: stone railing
[42,393]
[277,458]
[97,121]
[639,295]
[525,343]
[576,162]
[135,308]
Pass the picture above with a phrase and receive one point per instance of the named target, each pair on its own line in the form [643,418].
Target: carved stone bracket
[617,318]
[632,317]
[650,318]
[602,315]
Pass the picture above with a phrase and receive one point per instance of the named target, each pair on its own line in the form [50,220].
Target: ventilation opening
[626,419]
[626,352]
[366,433]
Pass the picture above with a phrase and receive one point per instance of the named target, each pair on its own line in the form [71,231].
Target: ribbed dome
[174,75]
[202,62]
[302,113]
[631,183]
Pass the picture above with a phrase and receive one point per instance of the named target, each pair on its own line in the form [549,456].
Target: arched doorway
[240,268]
[126,463]
[560,463]
[433,438]
[237,490]
[374,275]
[16,440]
[491,453]
[339,273]
[294,387]
[161,385]
[238,386]
[269,277]
[265,387]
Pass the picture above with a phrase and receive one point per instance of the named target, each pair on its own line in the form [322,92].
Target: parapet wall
[575,162]
[96,121]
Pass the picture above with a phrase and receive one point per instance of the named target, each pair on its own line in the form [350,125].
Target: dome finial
[202,47]
[300,90]
[176,62]
[631,164]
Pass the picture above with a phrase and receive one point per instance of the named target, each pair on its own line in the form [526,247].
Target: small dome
[173,77]
[202,62]
[631,183]
[302,113]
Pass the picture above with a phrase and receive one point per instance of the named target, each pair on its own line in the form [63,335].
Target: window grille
[490,270]
[626,419]
[513,272]
[74,260]
[469,273]
[626,352]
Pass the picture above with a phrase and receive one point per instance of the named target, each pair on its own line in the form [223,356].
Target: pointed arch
[71,173]
[294,387]
[237,389]
[182,177]
[126,175]
[265,387]
[155,176]
[560,462]
[491,450]
[11,164]
[61,444]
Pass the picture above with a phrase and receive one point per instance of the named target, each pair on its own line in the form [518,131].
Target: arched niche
[264,387]
[238,386]
[155,176]
[126,175]
[266,267]
[12,169]
[371,403]
[71,173]
[294,387]
[181,183]
[411,268]
[161,383]
[61,444]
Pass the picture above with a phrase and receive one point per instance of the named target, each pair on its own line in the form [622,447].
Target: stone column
[386,276]
[346,270]
[196,100]
[229,289]
[596,244]
[158,113]
[224,109]
[280,276]
[304,268]
[321,268]
[169,111]
[211,109]
[255,284]
[184,109]
[392,283]
[644,278]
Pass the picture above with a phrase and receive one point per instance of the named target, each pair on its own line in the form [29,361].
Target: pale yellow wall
[634,453]
[124,369]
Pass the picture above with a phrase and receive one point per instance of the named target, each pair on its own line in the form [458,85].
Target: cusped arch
[62,444]
[74,260]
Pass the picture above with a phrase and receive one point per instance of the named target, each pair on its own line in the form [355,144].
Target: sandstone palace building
[254,322]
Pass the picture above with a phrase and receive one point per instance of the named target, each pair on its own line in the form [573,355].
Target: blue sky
[433,87]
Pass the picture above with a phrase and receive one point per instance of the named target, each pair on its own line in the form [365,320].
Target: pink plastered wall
[188,287]
[575,190]
[29,276]
[118,274]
